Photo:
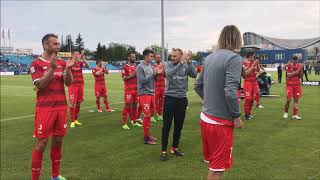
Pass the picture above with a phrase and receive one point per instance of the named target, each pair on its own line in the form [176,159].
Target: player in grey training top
[146,76]
[217,85]
[176,102]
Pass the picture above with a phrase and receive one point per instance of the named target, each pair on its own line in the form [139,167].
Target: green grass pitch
[268,147]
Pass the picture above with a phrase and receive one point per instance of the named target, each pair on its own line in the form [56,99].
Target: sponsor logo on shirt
[32,69]
[57,73]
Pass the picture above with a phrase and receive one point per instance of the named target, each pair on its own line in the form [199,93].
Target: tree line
[113,52]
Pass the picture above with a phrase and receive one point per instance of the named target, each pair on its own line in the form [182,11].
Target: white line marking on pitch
[314,176]
[21,117]
[309,154]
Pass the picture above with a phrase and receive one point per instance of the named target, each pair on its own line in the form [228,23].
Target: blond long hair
[230,38]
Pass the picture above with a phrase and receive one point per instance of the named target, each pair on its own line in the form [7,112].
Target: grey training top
[177,78]
[145,78]
[218,84]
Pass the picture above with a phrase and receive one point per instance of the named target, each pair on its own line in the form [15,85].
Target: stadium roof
[289,43]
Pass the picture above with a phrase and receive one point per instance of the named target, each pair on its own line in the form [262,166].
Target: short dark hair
[98,61]
[146,52]
[249,53]
[295,58]
[131,52]
[47,36]
[257,57]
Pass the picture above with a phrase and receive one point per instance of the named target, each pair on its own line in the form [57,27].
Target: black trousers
[279,78]
[174,110]
[305,75]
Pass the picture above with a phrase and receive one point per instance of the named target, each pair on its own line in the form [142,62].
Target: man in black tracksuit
[279,68]
[176,102]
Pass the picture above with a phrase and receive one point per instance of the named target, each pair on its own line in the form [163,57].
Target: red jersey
[199,69]
[293,80]
[160,80]
[130,86]
[52,97]
[76,71]
[98,79]
[252,76]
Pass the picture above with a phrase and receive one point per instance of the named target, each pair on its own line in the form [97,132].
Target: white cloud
[191,25]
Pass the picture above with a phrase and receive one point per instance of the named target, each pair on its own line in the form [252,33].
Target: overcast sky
[188,24]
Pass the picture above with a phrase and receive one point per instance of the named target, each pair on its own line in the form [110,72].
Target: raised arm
[191,70]
[67,75]
[198,85]
[86,64]
[39,80]
[170,72]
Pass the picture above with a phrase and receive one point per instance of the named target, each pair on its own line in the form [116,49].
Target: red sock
[36,164]
[246,106]
[132,115]
[124,116]
[146,126]
[77,109]
[106,103]
[160,107]
[295,110]
[72,114]
[286,108]
[251,105]
[139,112]
[56,155]
[98,103]
[173,148]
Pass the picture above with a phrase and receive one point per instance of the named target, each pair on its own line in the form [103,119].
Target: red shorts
[250,89]
[50,123]
[75,93]
[217,142]
[294,91]
[159,93]
[130,97]
[147,104]
[100,91]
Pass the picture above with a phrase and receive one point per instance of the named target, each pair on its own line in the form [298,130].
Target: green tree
[197,56]
[79,46]
[157,49]
[98,54]
[68,45]
[131,49]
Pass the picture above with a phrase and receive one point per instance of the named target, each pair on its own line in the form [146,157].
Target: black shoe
[247,117]
[250,116]
[177,153]
[164,157]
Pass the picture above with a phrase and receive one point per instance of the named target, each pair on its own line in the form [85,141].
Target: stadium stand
[19,63]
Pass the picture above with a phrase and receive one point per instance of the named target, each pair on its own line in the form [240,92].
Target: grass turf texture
[268,147]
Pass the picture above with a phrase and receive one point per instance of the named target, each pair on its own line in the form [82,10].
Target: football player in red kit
[159,88]
[49,75]
[75,91]
[100,89]
[130,92]
[250,67]
[257,92]
[294,72]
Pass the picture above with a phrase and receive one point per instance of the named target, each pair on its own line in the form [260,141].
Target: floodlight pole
[163,58]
